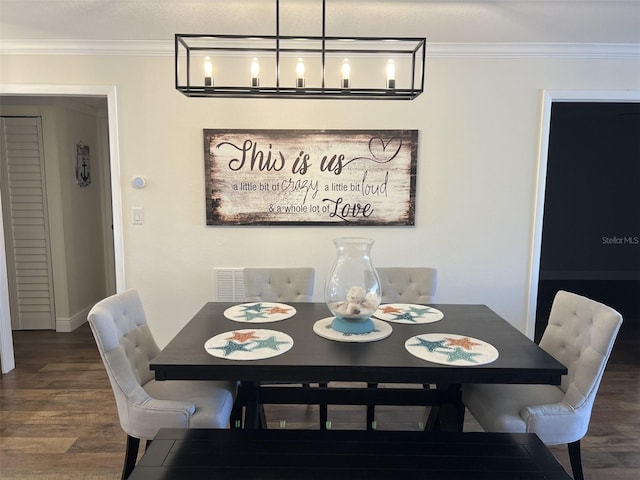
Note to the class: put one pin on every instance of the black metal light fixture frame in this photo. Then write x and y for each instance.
(187, 45)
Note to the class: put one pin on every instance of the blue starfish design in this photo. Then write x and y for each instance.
(430, 346)
(419, 312)
(251, 315)
(255, 307)
(231, 347)
(404, 316)
(254, 310)
(459, 354)
(270, 342)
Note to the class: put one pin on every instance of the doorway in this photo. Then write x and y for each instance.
(7, 362)
(76, 228)
(587, 225)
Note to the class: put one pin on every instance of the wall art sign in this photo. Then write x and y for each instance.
(83, 167)
(320, 177)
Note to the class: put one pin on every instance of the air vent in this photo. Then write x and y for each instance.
(228, 285)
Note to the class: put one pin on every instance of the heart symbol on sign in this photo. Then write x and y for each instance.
(382, 151)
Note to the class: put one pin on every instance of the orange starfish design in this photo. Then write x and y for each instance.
(390, 309)
(465, 343)
(277, 309)
(242, 336)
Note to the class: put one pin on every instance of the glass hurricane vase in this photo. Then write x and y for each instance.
(353, 288)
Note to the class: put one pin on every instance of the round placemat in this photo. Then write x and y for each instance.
(380, 330)
(259, 312)
(248, 344)
(408, 313)
(451, 349)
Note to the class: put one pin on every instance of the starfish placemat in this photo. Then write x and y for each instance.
(259, 312)
(451, 349)
(408, 313)
(380, 330)
(249, 344)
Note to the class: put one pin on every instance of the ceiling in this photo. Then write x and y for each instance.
(441, 21)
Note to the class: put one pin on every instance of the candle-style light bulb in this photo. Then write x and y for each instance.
(391, 75)
(346, 73)
(255, 72)
(300, 74)
(208, 72)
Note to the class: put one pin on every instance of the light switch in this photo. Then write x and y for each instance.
(137, 216)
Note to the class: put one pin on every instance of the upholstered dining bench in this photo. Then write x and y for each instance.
(235, 454)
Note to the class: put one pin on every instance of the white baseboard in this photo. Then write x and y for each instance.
(71, 323)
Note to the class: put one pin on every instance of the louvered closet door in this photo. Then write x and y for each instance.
(26, 224)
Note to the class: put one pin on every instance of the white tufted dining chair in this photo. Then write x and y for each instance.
(404, 285)
(293, 284)
(126, 346)
(408, 284)
(580, 334)
(279, 284)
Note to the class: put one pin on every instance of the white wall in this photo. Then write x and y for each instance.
(82, 217)
(479, 124)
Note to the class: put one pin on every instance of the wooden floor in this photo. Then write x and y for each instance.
(58, 417)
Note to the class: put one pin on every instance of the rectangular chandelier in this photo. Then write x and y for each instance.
(277, 66)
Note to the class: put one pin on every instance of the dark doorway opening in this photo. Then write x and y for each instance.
(591, 226)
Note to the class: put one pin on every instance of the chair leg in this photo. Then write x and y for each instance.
(576, 460)
(235, 419)
(262, 418)
(371, 409)
(130, 457)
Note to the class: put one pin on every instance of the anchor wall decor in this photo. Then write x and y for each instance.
(83, 168)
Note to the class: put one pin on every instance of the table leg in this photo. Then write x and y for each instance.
(250, 392)
(324, 410)
(433, 420)
(449, 415)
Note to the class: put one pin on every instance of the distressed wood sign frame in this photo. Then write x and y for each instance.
(316, 177)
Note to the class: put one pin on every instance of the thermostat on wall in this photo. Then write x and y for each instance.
(138, 182)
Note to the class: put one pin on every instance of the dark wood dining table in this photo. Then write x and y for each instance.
(313, 358)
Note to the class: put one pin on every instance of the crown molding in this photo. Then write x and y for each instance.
(434, 50)
(533, 50)
(87, 47)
